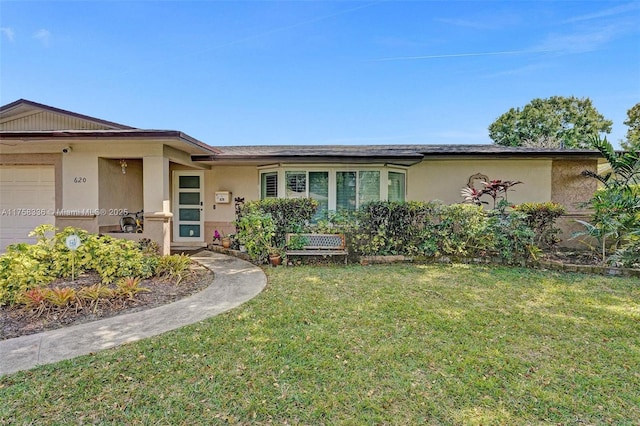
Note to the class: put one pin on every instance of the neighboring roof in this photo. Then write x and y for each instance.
(399, 154)
(24, 105)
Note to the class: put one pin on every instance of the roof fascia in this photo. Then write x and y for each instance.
(78, 135)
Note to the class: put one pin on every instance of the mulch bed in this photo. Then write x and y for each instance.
(15, 322)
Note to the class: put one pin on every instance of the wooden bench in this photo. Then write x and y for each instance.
(319, 245)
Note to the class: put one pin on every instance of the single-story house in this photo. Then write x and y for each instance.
(69, 169)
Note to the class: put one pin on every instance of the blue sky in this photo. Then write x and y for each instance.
(319, 72)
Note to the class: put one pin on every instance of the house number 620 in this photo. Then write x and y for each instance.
(79, 179)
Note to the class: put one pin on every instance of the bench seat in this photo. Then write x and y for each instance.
(320, 245)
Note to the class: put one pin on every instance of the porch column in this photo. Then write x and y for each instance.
(157, 205)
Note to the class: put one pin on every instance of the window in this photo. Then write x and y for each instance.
(269, 185)
(335, 190)
(345, 191)
(296, 184)
(319, 191)
(368, 187)
(396, 186)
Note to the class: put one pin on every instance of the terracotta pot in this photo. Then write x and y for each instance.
(275, 259)
(226, 242)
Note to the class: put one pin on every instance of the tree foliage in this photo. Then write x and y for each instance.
(553, 122)
(633, 132)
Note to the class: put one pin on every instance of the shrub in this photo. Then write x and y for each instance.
(628, 255)
(616, 207)
(541, 218)
(288, 214)
(460, 230)
(128, 287)
(386, 227)
(20, 270)
(26, 266)
(256, 231)
(511, 238)
(174, 266)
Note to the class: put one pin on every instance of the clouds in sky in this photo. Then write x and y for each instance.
(579, 35)
(8, 33)
(44, 36)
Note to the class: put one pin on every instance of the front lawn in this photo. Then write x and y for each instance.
(405, 344)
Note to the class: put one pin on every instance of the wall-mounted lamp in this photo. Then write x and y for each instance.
(123, 166)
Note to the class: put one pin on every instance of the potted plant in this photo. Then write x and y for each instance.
(275, 256)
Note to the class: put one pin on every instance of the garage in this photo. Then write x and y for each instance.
(27, 199)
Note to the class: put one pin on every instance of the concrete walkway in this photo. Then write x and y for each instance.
(236, 281)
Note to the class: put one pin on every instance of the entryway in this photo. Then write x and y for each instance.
(188, 202)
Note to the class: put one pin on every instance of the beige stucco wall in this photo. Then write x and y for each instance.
(569, 187)
(84, 189)
(443, 179)
(119, 191)
(241, 181)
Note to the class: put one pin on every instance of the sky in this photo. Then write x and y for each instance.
(319, 72)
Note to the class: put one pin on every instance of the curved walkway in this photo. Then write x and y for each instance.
(236, 281)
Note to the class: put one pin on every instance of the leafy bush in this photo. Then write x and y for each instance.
(434, 229)
(256, 231)
(26, 266)
(628, 255)
(288, 214)
(460, 230)
(174, 266)
(511, 238)
(128, 287)
(541, 217)
(387, 227)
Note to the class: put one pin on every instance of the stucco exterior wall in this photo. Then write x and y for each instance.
(569, 187)
(443, 179)
(119, 191)
(241, 181)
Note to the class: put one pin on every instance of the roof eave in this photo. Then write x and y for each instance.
(401, 160)
(107, 134)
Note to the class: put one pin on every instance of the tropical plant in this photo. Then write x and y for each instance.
(128, 287)
(616, 206)
(496, 189)
(174, 266)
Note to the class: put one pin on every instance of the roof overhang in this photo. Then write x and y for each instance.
(173, 138)
(405, 155)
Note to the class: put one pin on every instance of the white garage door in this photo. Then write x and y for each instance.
(27, 199)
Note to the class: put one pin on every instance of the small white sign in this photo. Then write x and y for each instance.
(72, 242)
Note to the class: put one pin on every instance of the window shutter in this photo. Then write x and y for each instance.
(269, 185)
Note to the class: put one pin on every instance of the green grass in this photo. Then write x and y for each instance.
(401, 345)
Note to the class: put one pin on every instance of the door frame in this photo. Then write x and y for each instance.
(176, 206)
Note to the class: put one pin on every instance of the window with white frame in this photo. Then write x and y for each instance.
(268, 185)
(397, 188)
(335, 189)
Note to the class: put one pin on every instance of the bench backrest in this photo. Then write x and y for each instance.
(321, 241)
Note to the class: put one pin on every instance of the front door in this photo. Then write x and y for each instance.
(188, 214)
